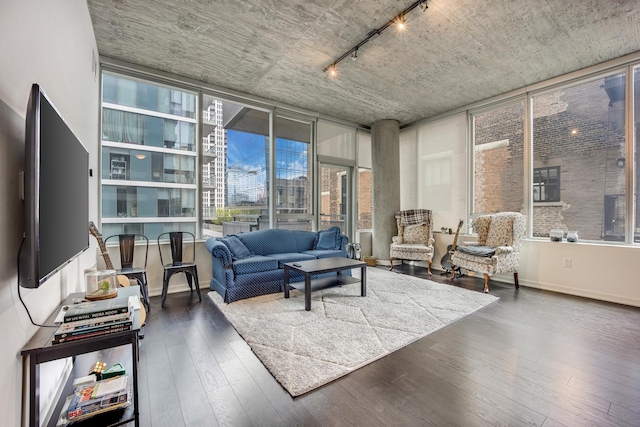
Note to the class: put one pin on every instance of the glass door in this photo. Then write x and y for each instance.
(335, 197)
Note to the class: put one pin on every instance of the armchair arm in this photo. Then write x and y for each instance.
(504, 250)
(219, 250)
(431, 241)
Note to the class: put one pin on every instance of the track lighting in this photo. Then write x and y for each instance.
(398, 20)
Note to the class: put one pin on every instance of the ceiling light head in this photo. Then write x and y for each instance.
(401, 22)
(423, 6)
(331, 69)
(354, 55)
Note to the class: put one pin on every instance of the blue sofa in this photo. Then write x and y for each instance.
(256, 267)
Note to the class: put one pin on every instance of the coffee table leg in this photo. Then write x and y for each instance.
(307, 291)
(286, 281)
(363, 281)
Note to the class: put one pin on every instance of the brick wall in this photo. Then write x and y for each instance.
(576, 128)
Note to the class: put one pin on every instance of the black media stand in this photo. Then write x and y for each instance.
(119, 347)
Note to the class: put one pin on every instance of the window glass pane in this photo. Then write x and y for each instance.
(365, 199)
(437, 157)
(292, 168)
(153, 131)
(498, 159)
(234, 165)
(136, 166)
(578, 137)
(336, 140)
(109, 88)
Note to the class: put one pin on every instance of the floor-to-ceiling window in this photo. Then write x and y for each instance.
(579, 159)
(149, 157)
(498, 142)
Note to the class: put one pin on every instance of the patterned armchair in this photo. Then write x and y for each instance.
(415, 237)
(497, 249)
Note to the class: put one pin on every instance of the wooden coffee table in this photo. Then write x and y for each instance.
(324, 265)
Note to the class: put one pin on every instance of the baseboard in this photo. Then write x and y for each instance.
(175, 288)
(600, 296)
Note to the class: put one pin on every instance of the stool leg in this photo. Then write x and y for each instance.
(165, 286)
(197, 283)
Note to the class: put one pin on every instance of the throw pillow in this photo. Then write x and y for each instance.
(328, 239)
(236, 247)
(500, 231)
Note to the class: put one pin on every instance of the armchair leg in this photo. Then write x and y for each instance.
(486, 283)
(391, 262)
(453, 271)
(515, 279)
(429, 268)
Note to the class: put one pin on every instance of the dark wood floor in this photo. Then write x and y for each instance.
(533, 358)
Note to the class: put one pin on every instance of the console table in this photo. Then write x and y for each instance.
(39, 350)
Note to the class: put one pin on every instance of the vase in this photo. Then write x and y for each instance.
(572, 236)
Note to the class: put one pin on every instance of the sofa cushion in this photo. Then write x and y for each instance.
(236, 247)
(328, 239)
(272, 241)
(254, 264)
(320, 253)
(290, 257)
(304, 239)
(418, 233)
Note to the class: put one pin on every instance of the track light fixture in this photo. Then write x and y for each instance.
(399, 20)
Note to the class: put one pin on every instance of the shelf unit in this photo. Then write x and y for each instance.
(84, 352)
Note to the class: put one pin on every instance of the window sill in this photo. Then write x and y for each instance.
(546, 204)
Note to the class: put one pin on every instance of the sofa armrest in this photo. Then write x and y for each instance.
(219, 250)
(344, 241)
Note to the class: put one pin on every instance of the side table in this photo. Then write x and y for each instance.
(39, 350)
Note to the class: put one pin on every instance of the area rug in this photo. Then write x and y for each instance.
(344, 331)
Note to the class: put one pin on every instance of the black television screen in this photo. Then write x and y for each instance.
(56, 193)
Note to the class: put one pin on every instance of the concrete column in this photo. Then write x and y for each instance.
(385, 156)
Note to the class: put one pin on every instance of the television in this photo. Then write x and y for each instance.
(56, 193)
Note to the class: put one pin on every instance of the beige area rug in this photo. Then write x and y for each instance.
(344, 331)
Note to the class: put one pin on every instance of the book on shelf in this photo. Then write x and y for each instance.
(65, 333)
(95, 398)
(91, 323)
(125, 326)
(96, 309)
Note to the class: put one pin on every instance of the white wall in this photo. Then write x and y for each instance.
(49, 43)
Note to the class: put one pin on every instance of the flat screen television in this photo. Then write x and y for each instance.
(56, 193)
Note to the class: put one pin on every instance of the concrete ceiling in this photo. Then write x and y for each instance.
(457, 53)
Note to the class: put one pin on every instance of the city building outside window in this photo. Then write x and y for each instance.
(149, 156)
(498, 159)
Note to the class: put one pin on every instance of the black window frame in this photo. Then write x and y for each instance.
(551, 189)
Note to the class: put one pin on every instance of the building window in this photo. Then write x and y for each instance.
(546, 184)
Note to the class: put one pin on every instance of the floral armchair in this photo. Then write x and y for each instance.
(415, 237)
(497, 249)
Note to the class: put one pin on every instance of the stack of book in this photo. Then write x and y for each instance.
(93, 318)
(95, 398)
